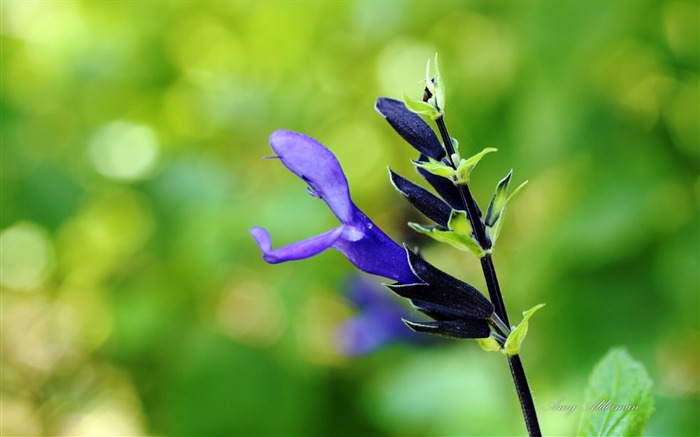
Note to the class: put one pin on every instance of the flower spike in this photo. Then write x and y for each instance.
(459, 310)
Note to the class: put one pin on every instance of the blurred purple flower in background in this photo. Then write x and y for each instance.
(378, 321)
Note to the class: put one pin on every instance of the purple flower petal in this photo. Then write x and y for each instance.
(318, 167)
(372, 251)
(299, 250)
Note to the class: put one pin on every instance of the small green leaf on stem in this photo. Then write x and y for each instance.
(454, 239)
(498, 201)
(494, 224)
(467, 165)
(433, 102)
(438, 87)
(517, 335)
(435, 167)
(420, 107)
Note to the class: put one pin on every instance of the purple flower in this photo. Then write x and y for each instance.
(459, 309)
(360, 240)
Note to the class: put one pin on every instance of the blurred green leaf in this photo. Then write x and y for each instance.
(618, 397)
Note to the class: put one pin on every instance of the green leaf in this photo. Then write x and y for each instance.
(618, 397)
(435, 167)
(461, 242)
(517, 335)
(467, 165)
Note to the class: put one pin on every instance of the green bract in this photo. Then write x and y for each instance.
(517, 335)
(459, 176)
(498, 202)
(515, 338)
(437, 168)
(421, 107)
(496, 211)
(436, 86)
(434, 105)
(458, 235)
(466, 166)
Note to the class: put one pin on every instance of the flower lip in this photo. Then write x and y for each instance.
(295, 251)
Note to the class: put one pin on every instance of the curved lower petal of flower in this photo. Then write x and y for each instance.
(299, 250)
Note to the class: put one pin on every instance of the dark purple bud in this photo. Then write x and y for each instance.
(436, 312)
(411, 127)
(448, 290)
(423, 200)
(460, 300)
(463, 328)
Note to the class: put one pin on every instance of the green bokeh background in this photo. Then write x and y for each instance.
(134, 301)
